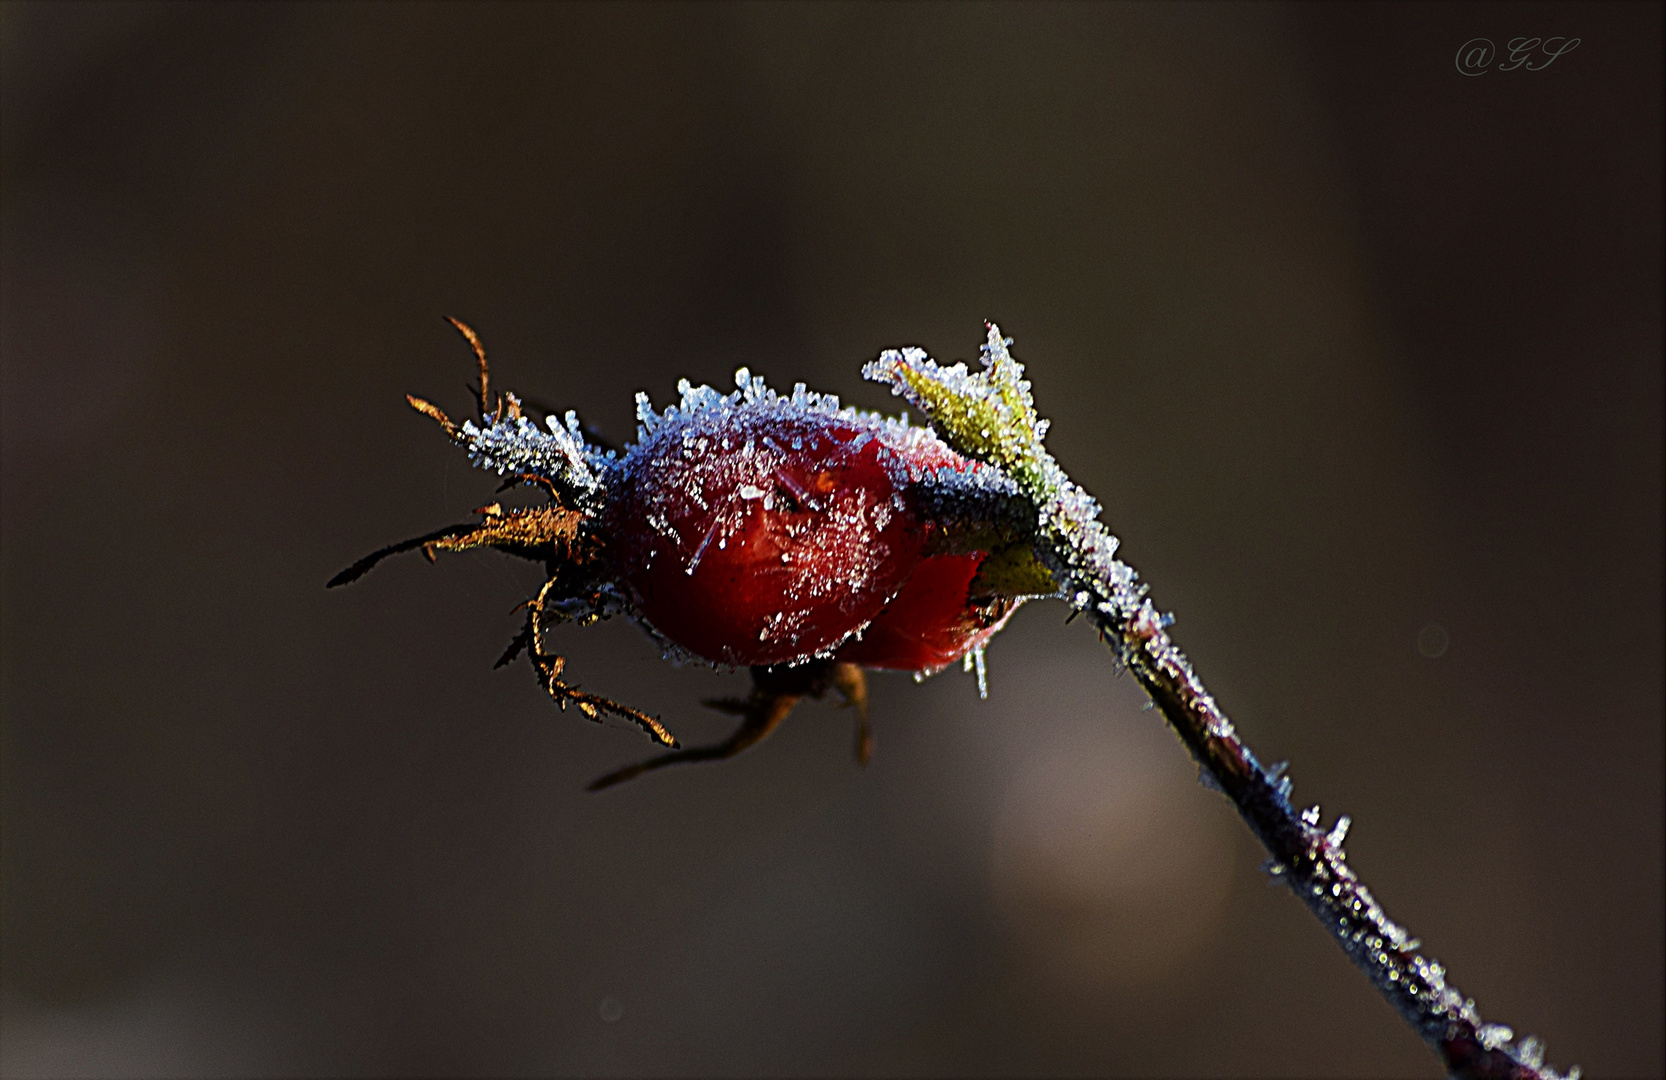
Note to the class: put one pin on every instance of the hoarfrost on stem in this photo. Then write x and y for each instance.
(990, 416)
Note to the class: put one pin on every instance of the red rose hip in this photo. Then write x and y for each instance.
(758, 529)
(777, 532)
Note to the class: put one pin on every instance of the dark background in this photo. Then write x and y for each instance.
(1347, 343)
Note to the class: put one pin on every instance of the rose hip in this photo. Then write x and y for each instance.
(750, 537)
(779, 532)
(758, 529)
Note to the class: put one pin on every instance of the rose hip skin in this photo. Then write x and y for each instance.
(932, 622)
(760, 534)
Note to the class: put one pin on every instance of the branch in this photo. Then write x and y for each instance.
(1311, 861)
(991, 416)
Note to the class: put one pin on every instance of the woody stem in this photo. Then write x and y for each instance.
(1312, 862)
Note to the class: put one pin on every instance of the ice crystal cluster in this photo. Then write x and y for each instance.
(513, 444)
(706, 420)
(750, 419)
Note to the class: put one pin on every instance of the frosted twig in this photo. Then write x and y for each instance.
(990, 416)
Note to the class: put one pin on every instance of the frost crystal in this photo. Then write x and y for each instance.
(974, 662)
(1530, 1052)
(514, 444)
(1493, 1036)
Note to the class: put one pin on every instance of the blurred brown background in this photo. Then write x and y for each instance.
(1363, 357)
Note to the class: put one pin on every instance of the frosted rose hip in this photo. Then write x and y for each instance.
(779, 532)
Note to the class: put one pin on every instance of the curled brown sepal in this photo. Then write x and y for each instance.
(550, 666)
(775, 693)
(507, 441)
(594, 706)
(485, 371)
(434, 413)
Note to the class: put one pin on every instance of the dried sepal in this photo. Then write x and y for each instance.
(480, 357)
(776, 691)
(560, 534)
(550, 667)
(536, 532)
(435, 413)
